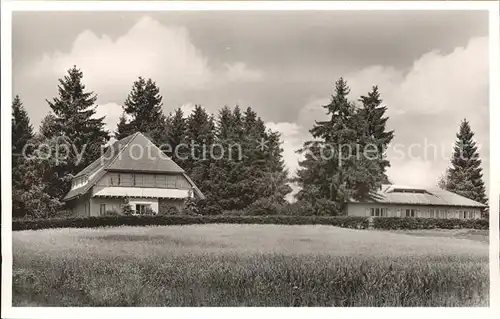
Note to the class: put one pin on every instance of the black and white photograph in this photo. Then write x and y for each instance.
(249, 158)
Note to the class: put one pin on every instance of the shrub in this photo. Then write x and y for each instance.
(234, 212)
(127, 209)
(111, 212)
(168, 209)
(148, 211)
(298, 208)
(325, 207)
(191, 207)
(207, 207)
(428, 223)
(143, 220)
(263, 207)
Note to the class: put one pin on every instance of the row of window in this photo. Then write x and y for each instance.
(147, 180)
(432, 213)
(77, 182)
(140, 209)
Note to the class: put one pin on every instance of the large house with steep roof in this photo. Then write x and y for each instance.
(407, 201)
(132, 170)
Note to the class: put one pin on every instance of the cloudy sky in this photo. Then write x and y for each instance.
(431, 69)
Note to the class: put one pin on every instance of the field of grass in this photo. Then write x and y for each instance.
(246, 265)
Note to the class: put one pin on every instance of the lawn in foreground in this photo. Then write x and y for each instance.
(245, 265)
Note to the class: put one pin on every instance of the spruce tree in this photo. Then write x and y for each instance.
(123, 128)
(22, 130)
(223, 173)
(176, 135)
(22, 133)
(74, 117)
(373, 114)
(333, 169)
(200, 135)
(144, 106)
(465, 176)
(74, 129)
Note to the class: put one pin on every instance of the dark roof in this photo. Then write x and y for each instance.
(124, 155)
(397, 194)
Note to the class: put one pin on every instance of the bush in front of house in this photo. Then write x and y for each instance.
(190, 207)
(168, 209)
(111, 212)
(144, 220)
(127, 209)
(207, 207)
(395, 223)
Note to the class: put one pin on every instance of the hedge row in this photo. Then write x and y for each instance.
(340, 221)
(103, 221)
(428, 223)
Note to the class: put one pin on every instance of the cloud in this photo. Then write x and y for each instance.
(240, 72)
(187, 109)
(148, 49)
(434, 84)
(292, 137)
(111, 113)
(418, 173)
(425, 103)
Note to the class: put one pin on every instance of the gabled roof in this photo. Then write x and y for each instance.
(401, 194)
(134, 153)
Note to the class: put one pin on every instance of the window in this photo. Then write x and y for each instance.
(102, 209)
(171, 181)
(410, 213)
(142, 208)
(432, 213)
(161, 181)
(138, 180)
(445, 213)
(114, 179)
(378, 212)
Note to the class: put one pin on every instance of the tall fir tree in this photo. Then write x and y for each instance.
(200, 136)
(332, 169)
(144, 106)
(373, 114)
(75, 128)
(22, 130)
(74, 112)
(22, 134)
(123, 128)
(465, 176)
(176, 136)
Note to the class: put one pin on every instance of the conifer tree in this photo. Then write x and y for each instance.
(144, 106)
(373, 114)
(332, 169)
(75, 129)
(22, 133)
(200, 135)
(465, 176)
(176, 135)
(123, 128)
(22, 130)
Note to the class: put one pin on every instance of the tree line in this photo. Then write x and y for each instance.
(329, 176)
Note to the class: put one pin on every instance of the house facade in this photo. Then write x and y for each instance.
(412, 202)
(135, 171)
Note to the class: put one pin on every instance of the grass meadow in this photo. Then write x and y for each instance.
(246, 265)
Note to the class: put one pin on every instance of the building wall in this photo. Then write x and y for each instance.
(80, 207)
(115, 204)
(420, 210)
(153, 202)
